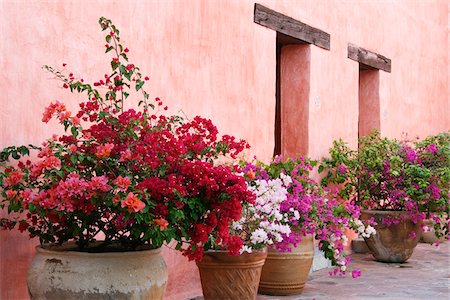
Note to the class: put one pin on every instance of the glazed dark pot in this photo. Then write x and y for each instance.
(392, 243)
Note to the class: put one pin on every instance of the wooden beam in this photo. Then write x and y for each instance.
(291, 27)
(369, 59)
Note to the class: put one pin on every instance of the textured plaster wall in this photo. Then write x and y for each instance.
(209, 58)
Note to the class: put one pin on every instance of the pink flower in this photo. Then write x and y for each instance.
(75, 121)
(412, 235)
(356, 273)
(99, 183)
(11, 193)
(125, 155)
(57, 107)
(122, 183)
(133, 203)
(162, 223)
(104, 151)
(342, 169)
(13, 178)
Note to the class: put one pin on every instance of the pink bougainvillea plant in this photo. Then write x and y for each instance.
(393, 175)
(134, 177)
(291, 205)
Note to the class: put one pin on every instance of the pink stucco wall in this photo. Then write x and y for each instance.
(210, 58)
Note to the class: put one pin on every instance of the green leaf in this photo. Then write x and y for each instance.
(114, 64)
(109, 49)
(139, 84)
(74, 131)
(108, 38)
(15, 155)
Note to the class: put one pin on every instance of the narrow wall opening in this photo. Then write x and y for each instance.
(369, 101)
(293, 99)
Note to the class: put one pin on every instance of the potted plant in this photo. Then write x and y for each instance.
(395, 188)
(233, 271)
(306, 211)
(434, 153)
(104, 197)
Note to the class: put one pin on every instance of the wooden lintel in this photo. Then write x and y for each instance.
(368, 58)
(291, 27)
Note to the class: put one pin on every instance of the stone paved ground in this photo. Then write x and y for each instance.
(426, 275)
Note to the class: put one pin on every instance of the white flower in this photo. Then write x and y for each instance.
(258, 236)
(344, 240)
(245, 249)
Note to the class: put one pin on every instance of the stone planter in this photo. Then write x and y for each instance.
(286, 273)
(231, 277)
(56, 273)
(429, 237)
(393, 243)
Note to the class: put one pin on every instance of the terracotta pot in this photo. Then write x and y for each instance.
(231, 277)
(58, 274)
(393, 243)
(286, 273)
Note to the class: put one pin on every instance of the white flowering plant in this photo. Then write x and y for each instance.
(262, 222)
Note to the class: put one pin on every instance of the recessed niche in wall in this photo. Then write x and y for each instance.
(293, 47)
(370, 64)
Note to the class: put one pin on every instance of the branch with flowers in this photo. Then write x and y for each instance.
(138, 177)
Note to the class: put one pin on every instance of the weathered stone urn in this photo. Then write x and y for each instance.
(56, 273)
(392, 243)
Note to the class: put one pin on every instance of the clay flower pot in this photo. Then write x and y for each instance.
(231, 277)
(286, 273)
(392, 243)
(59, 274)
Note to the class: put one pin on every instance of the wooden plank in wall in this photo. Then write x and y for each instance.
(288, 26)
(368, 58)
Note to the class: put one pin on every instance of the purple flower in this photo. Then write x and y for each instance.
(432, 149)
(342, 169)
(356, 273)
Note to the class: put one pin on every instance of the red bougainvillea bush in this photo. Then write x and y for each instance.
(136, 177)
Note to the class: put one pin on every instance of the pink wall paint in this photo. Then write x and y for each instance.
(209, 58)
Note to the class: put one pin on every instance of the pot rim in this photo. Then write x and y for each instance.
(262, 250)
(384, 212)
(68, 249)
